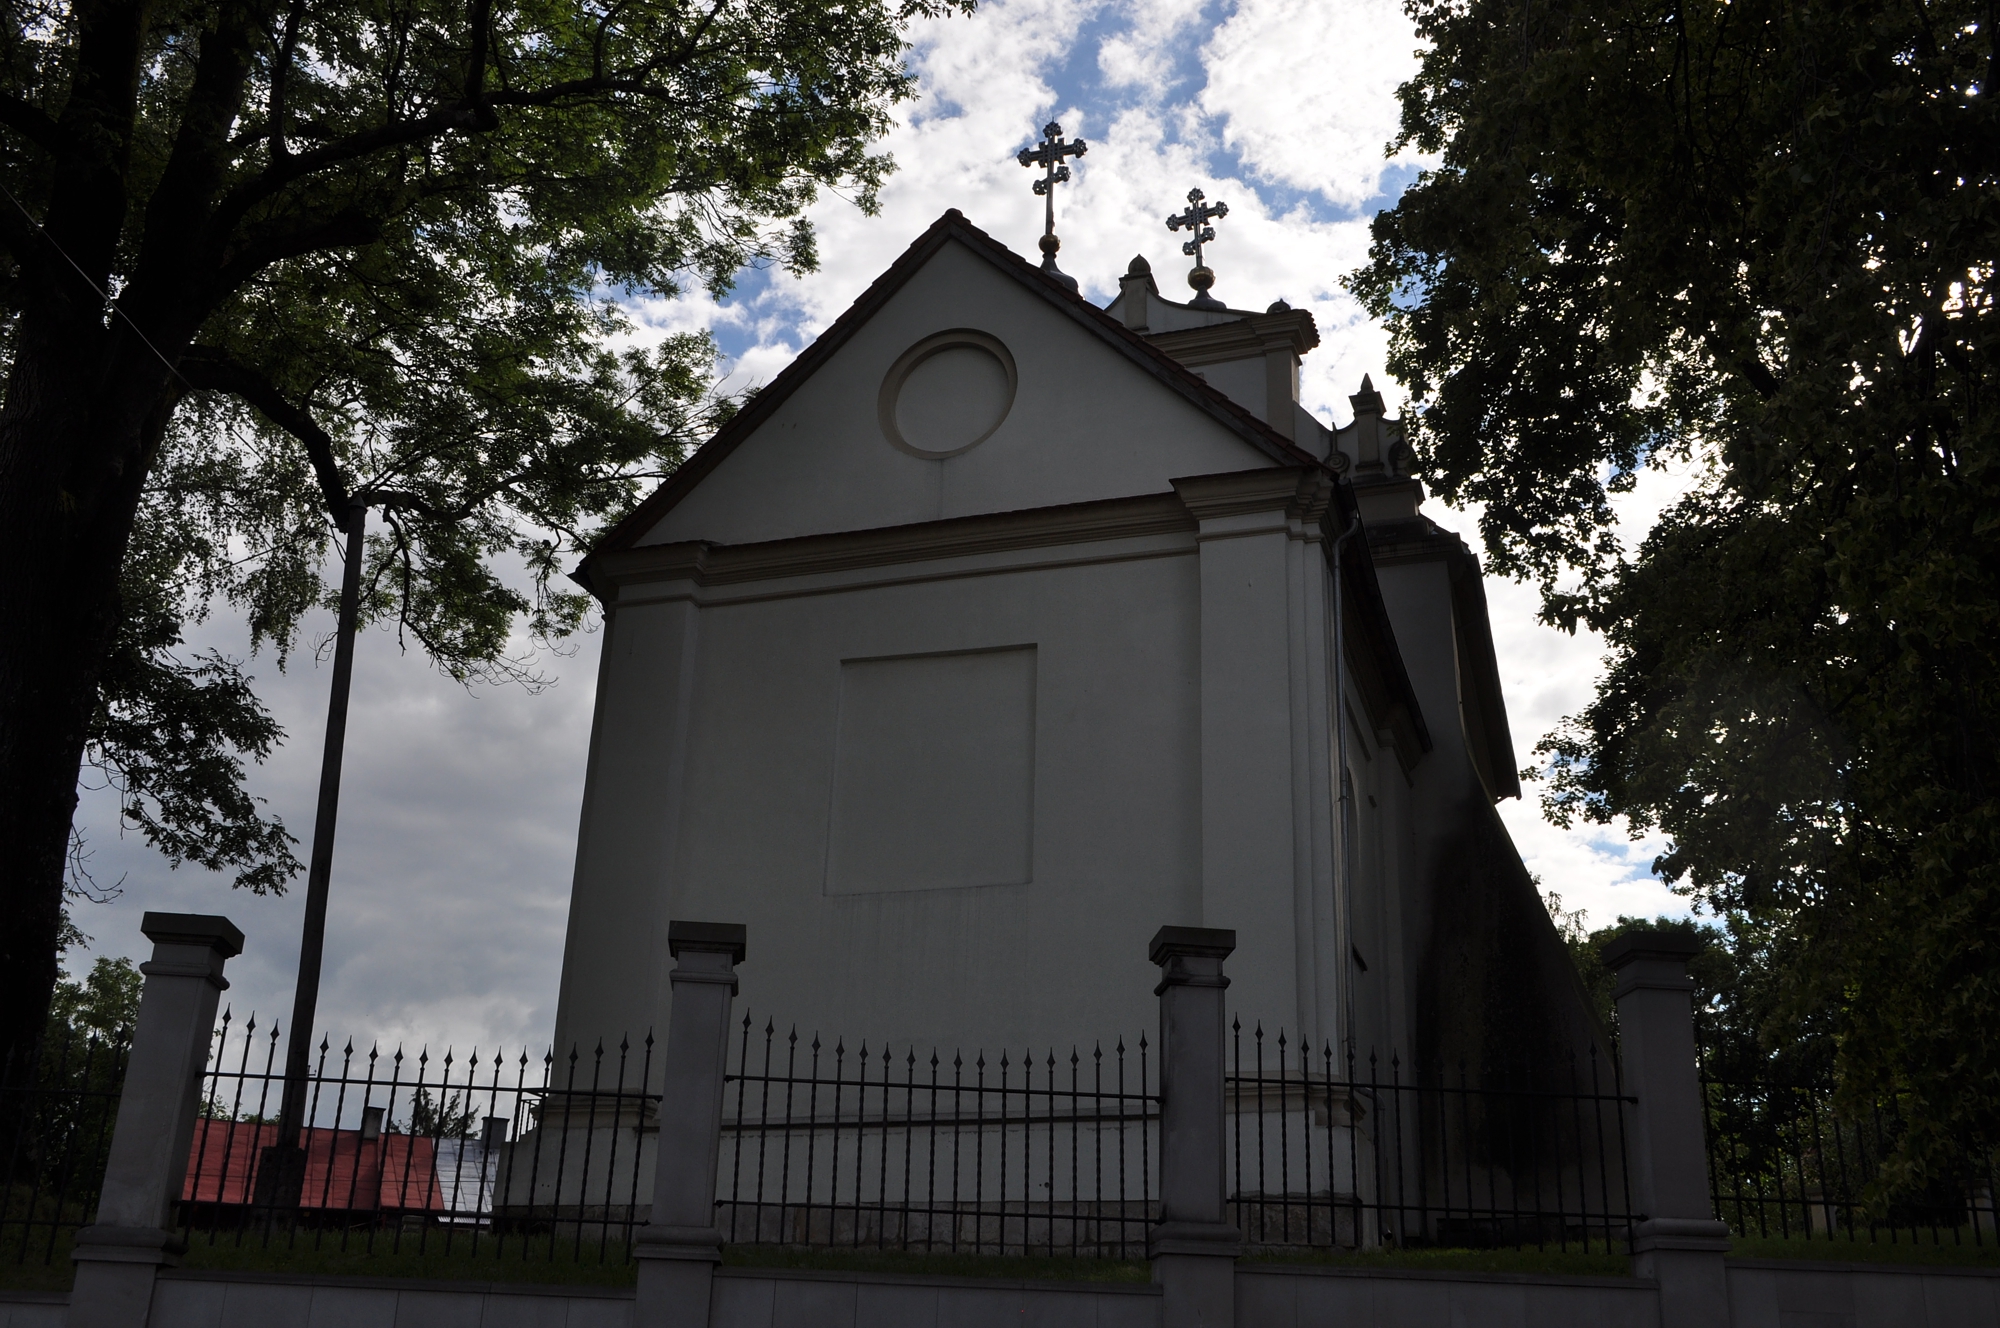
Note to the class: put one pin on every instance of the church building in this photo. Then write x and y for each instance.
(1001, 629)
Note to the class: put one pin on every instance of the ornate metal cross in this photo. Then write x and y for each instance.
(1195, 220)
(1049, 153)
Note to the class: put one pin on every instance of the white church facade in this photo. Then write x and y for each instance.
(1000, 630)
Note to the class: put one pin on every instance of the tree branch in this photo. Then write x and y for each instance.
(475, 64)
(349, 226)
(464, 114)
(30, 122)
(281, 78)
(395, 133)
(212, 369)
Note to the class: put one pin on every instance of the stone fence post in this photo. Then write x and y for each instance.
(1194, 1247)
(118, 1258)
(680, 1246)
(1680, 1243)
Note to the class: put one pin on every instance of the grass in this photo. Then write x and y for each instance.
(1572, 1262)
(606, 1266)
(506, 1261)
(315, 1253)
(27, 1264)
(1031, 1268)
(1944, 1250)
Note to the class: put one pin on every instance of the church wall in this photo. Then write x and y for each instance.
(1418, 598)
(1249, 803)
(1086, 423)
(1116, 811)
(1374, 871)
(615, 952)
(1488, 981)
(1242, 381)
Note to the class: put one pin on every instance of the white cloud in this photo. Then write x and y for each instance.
(1307, 90)
(1144, 58)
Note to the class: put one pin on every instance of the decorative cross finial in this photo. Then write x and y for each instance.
(1049, 153)
(1195, 220)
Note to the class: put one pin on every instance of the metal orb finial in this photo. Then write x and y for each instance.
(1195, 222)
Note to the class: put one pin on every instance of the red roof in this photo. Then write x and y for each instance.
(343, 1171)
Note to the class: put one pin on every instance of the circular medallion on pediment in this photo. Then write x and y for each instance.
(947, 394)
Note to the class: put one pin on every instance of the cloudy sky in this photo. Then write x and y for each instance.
(459, 808)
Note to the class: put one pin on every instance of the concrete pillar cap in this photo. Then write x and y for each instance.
(217, 933)
(729, 938)
(1191, 943)
(1672, 943)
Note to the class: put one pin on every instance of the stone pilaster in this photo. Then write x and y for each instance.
(118, 1258)
(1194, 1247)
(680, 1246)
(1680, 1243)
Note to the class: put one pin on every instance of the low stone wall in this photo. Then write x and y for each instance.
(1307, 1296)
(33, 1309)
(189, 1299)
(1763, 1294)
(1786, 1293)
(760, 1298)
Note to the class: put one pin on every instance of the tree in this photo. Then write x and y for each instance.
(1760, 238)
(260, 256)
(450, 1116)
(104, 1004)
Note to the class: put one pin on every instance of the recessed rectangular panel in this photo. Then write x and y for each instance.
(934, 773)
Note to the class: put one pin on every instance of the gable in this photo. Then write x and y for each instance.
(1094, 413)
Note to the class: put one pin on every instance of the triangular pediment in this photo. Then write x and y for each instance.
(963, 382)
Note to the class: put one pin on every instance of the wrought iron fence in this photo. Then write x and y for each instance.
(1784, 1163)
(57, 1108)
(532, 1157)
(1328, 1152)
(1037, 1152)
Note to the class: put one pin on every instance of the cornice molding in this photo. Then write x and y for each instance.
(725, 564)
(1288, 329)
(1301, 493)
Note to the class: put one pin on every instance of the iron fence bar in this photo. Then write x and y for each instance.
(1583, 1181)
(354, 1181)
(611, 1154)
(1149, 1083)
(882, 1186)
(1051, 1082)
(785, 1155)
(909, 1134)
(1123, 1211)
(860, 1139)
(736, 1160)
(1075, 1194)
(812, 1137)
(979, 1157)
(1097, 1149)
(1004, 1066)
(930, 1152)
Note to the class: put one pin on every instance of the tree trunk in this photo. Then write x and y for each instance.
(86, 406)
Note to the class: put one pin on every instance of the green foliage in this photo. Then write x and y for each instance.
(170, 736)
(448, 1116)
(379, 246)
(103, 1005)
(1743, 1033)
(1760, 239)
